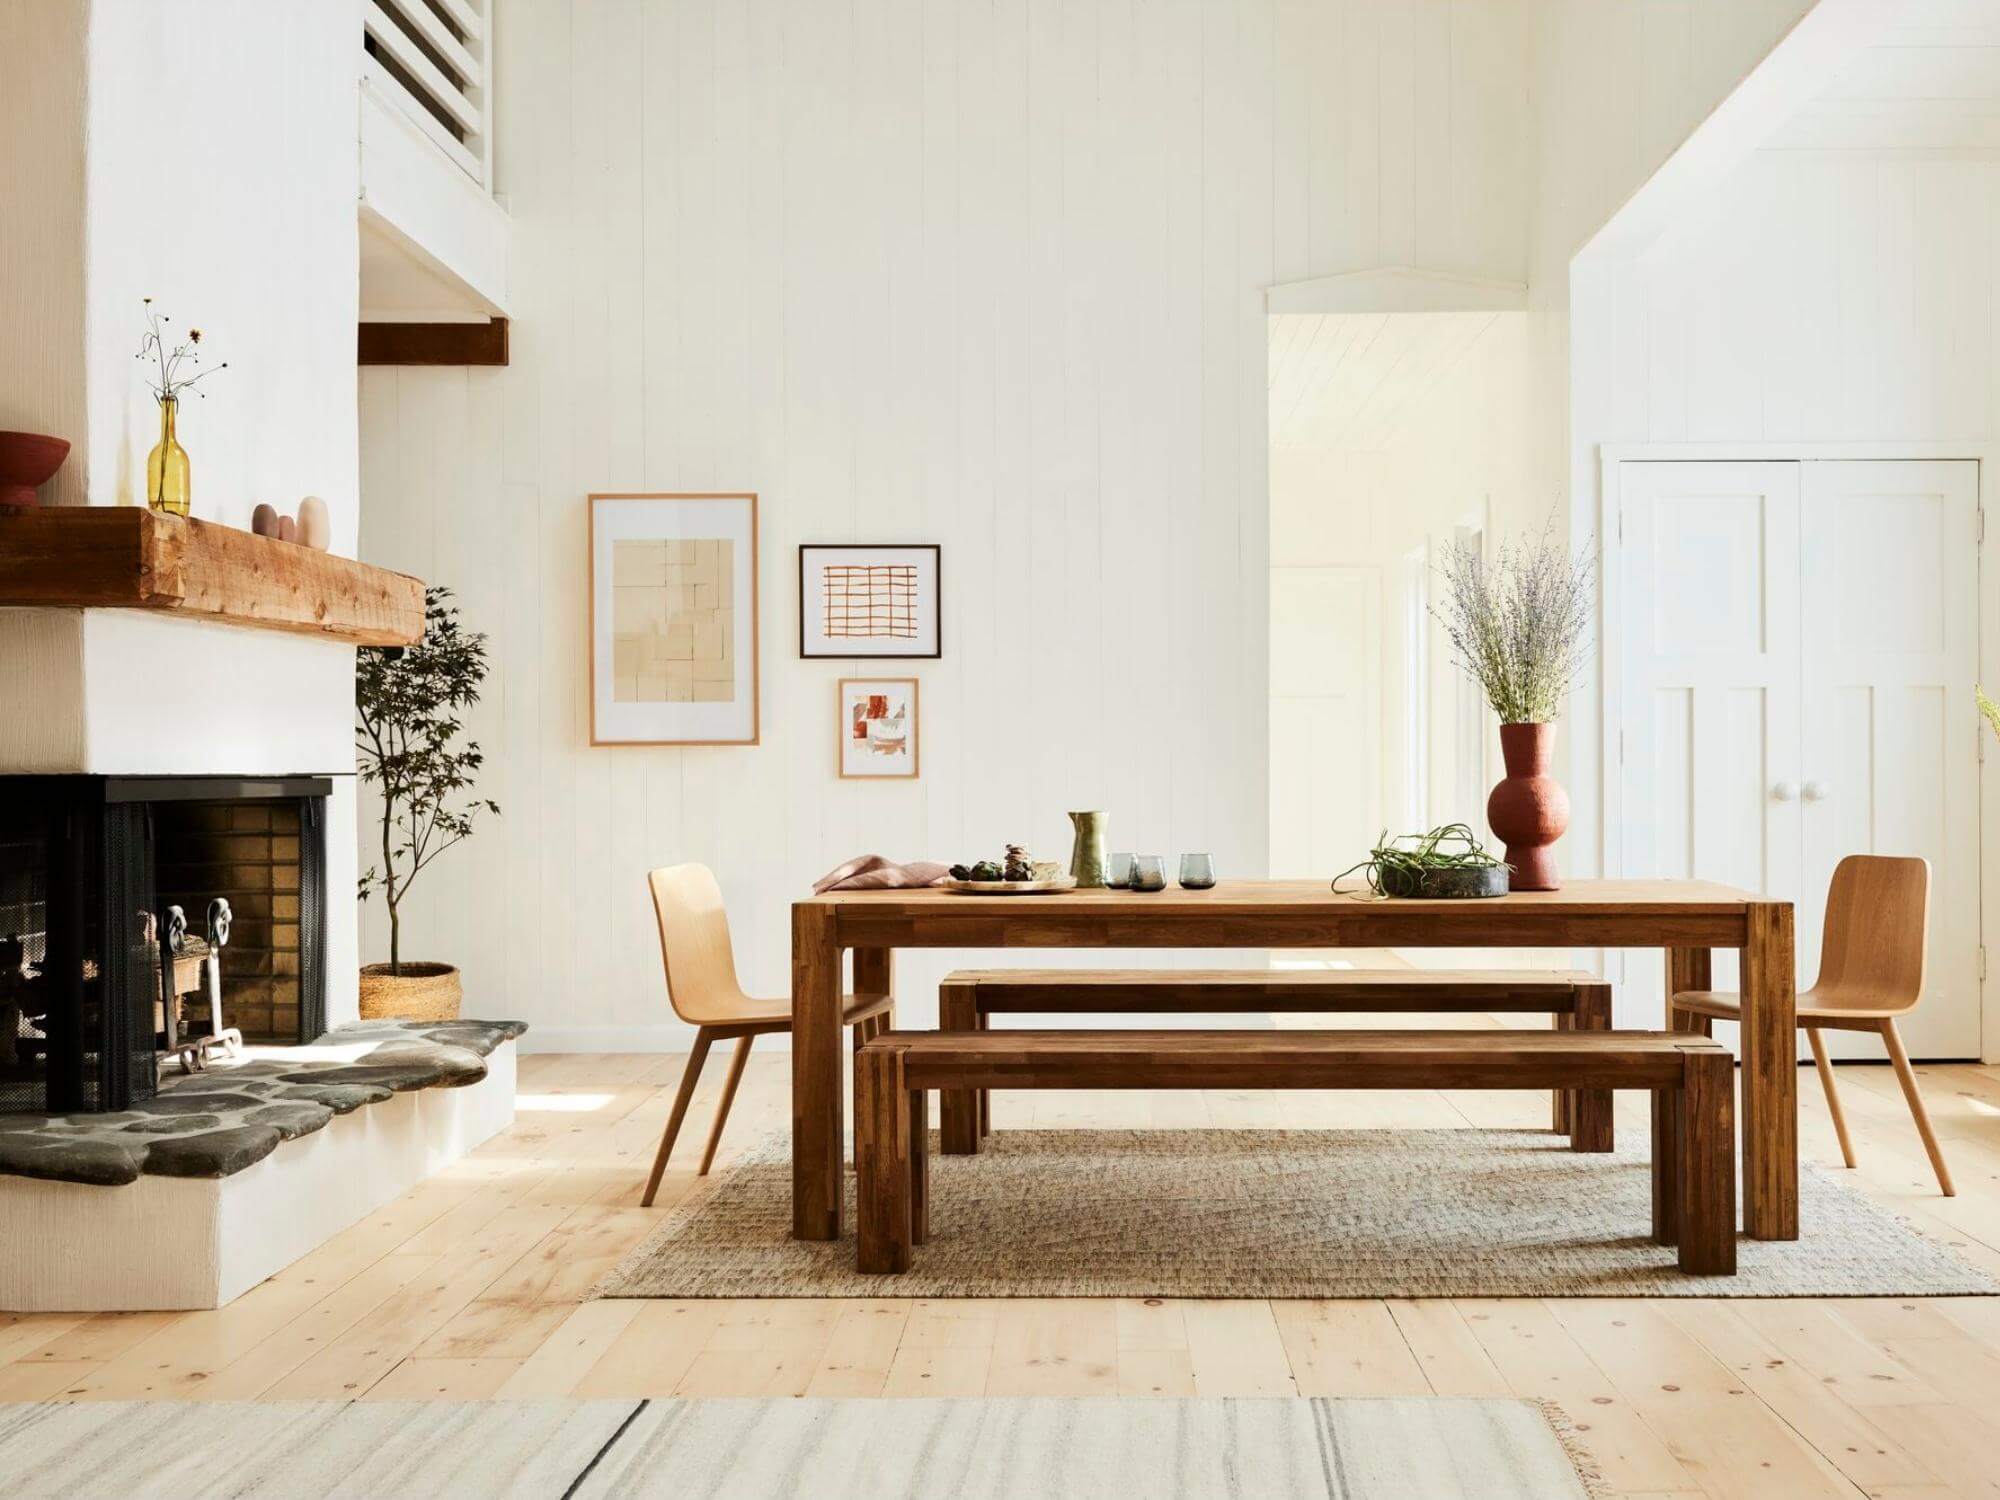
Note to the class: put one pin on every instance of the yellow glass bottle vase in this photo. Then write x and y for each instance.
(167, 486)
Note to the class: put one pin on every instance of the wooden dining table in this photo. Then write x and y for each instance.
(1687, 920)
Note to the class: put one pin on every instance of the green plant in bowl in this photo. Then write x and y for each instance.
(1448, 861)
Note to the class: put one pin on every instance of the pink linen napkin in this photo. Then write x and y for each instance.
(871, 872)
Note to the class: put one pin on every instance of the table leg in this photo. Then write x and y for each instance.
(875, 974)
(817, 1090)
(1589, 1110)
(1688, 969)
(1770, 1117)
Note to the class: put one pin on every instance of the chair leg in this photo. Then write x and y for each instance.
(882, 1164)
(958, 1109)
(1832, 1094)
(1707, 1165)
(728, 1098)
(1590, 1127)
(690, 1076)
(1893, 1039)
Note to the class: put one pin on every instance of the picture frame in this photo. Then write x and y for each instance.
(673, 618)
(871, 600)
(877, 730)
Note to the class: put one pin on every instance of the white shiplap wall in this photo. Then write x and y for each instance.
(988, 275)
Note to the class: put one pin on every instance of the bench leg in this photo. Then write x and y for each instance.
(1561, 1101)
(985, 1095)
(920, 1167)
(1666, 1166)
(882, 1163)
(958, 1109)
(1590, 1109)
(1707, 1163)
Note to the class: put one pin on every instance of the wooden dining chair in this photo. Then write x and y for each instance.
(702, 988)
(1871, 970)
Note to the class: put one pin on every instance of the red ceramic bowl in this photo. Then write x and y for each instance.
(27, 461)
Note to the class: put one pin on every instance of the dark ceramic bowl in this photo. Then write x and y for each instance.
(28, 460)
(1441, 885)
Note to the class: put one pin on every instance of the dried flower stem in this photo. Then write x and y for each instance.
(168, 383)
(1518, 628)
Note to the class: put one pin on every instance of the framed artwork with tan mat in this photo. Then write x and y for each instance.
(878, 728)
(673, 619)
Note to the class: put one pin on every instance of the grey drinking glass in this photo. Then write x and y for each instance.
(1197, 872)
(1118, 871)
(1149, 873)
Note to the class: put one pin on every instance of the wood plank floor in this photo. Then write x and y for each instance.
(471, 1286)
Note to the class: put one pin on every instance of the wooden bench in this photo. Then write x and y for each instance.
(1577, 1001)
(1690, 1077)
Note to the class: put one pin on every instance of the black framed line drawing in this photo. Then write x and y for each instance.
(866, 599)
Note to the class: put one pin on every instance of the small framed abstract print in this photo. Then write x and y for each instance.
(673, 619)
(860, 601)
(878, 727)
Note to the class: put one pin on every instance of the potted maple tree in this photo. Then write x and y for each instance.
(408, 745)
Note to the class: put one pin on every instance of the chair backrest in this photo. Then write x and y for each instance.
(694, 944)
(1877, 928)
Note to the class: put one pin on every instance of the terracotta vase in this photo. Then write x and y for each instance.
(1529, 810)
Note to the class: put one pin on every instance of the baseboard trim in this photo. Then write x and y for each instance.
(663, 1036)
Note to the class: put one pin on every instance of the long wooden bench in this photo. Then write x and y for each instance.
(1689, 1076)
(1577, 1001)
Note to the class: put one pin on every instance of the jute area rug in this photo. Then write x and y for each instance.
(1437, 1448)
(1277, 1213)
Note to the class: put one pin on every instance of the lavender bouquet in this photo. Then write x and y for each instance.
(1518, 628)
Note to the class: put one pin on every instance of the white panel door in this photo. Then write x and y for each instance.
(1326, 731)
(1890, 763)
(1710, 741)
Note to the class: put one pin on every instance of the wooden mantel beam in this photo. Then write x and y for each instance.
(128, 557)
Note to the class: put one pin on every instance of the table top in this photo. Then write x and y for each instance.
(1251, 897)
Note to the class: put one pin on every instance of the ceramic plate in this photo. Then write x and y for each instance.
(1010, 887)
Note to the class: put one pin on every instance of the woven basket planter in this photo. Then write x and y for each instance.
(422, 992)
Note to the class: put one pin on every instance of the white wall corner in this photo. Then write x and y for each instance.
(1794, 72)
(435, 245)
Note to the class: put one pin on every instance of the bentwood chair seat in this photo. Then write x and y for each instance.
(703, 989)
(1725, 1005)
(1871, 972)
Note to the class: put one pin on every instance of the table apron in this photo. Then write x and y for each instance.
(1514, 928)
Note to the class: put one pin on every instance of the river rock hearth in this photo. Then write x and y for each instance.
(218, 1122)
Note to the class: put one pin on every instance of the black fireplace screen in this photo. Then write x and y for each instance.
(89, 867)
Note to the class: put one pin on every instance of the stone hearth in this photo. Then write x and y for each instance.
(219, 1122)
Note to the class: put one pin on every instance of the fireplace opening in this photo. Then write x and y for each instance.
(109, 888)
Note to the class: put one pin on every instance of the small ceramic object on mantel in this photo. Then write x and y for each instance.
(315, 525)
(288, 529)
(264, 521)
(28, 460)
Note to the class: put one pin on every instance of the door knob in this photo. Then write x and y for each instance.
(1815, 791)
(1784, 791)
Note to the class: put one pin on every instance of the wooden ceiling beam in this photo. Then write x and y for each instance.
(434, 343)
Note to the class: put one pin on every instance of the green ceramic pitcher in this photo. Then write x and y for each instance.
(1086, 859)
